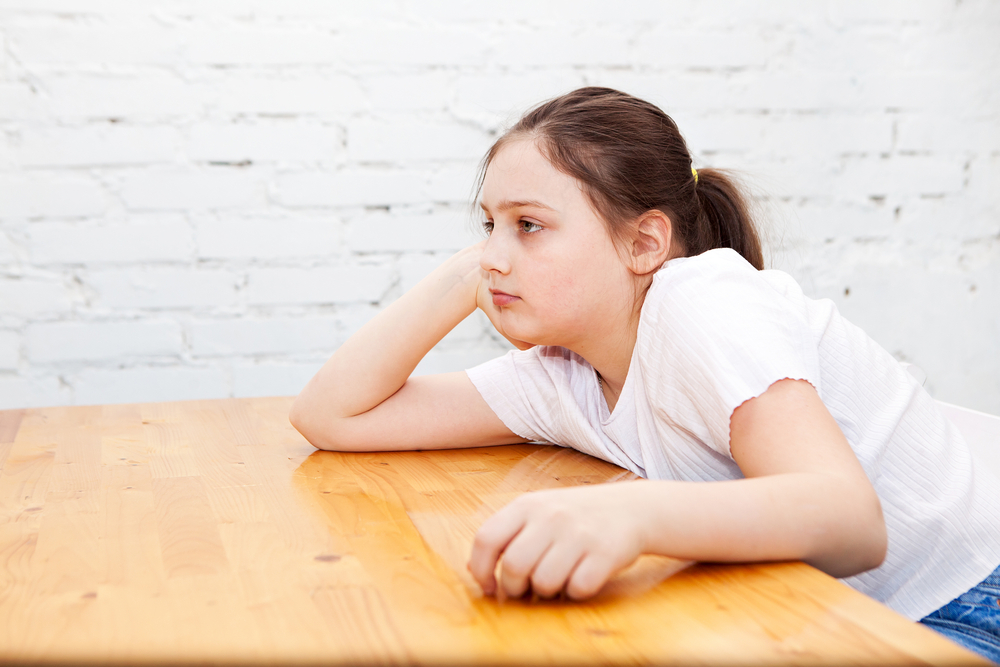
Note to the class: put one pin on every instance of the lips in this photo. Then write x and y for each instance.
(501, 299)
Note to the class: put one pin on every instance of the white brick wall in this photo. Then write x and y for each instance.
(205, 198)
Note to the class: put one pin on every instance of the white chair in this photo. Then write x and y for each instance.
(980, 430)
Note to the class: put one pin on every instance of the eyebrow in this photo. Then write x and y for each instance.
(507, 204)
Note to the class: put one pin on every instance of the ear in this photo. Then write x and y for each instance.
(652, 243)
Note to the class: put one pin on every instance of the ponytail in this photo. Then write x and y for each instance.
(723, 219)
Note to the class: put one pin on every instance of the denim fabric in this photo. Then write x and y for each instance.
(973, 618)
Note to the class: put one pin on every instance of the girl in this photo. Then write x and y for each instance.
(650, 336)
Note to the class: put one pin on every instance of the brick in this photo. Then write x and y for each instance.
(6, 152)
(824, 219)
(940, 133)
(740, 15)
(901, 175)
(984, 174)
(31, 296)
(272, 378)
(565, 48)
(256, 237)
(921, 90)
(142, 239)
(554, 11)
(262, 46)
(18, 101)
(246, 336)
(149, 384)
(112, 144)
(398, 233)
(318, 10)
(42, 194)
(17, 391)
(946, 217)
(146, 288)
(301, 95)
(852, 12)
(803, 176)
(398, 140)
(153, 95)
(502, 98)
(72, 7)
(413, 46)
(367, 186)
(8, 250)
(722, 133)
(210, 188)
(342, 284)
(453, 183)
(10, 350)
(796, 91)
(669, 45)
(132, 44)
(416, 91)
(797, 134)
(94, 341)
(264, 142)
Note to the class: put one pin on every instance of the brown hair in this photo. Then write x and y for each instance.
(630, 158)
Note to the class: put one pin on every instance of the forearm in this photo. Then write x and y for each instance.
(828, 521)
(377, 360)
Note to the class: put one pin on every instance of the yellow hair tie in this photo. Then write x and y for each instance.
(695, 173)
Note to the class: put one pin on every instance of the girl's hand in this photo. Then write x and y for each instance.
(560, 539)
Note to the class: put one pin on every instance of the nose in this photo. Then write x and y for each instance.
(495, 255)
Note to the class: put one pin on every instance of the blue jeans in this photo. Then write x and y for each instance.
(973, 618)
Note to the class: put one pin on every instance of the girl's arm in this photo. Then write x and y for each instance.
(363, 398)
(806, 497)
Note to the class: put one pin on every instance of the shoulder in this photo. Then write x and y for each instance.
(714, 287)
(718, 306)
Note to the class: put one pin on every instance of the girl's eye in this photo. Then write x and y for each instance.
(488, 227)
(529, 226)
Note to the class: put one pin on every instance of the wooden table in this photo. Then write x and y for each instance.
(210, 531)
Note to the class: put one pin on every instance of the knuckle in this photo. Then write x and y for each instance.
(586, 582)
(547, 585)
(482, 541)
(516, 568)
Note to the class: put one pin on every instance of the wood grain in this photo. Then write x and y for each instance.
(210, 531)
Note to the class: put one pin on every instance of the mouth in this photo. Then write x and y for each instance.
(501, 299)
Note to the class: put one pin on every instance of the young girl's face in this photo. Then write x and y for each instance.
(555, 273)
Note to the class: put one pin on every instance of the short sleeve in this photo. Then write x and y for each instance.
(715, 334)
(537, 393)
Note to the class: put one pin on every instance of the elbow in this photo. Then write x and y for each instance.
(872, 540)
(859, 545)
(878, 540)
(303, 419)
(320, 429)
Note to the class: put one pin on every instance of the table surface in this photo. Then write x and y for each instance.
(210, 531)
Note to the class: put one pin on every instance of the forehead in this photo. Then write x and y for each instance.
(520, 172)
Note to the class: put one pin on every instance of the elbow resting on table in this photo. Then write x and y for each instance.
(321, 433)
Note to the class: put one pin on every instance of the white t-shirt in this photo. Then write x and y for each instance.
(715, 332)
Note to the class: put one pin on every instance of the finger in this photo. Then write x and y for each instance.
(521, 556)
(554, 569)
(589, 576)
(490, 541)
